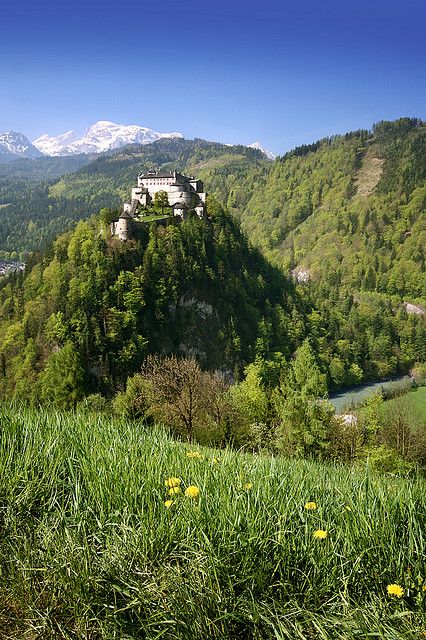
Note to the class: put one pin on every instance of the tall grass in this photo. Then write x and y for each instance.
(88, 548)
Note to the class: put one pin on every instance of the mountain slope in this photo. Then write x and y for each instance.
(100, 137)
(191, 288)
(351, 209)
(42, 168)
(15, 145)
(84, 514)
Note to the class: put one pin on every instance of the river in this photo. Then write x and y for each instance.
(355, 395)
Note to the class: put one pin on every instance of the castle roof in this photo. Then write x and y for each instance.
(125, 214)
(157, 175)
(179, 205)
(179, 177)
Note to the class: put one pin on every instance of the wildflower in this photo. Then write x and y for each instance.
(248, 486)
(311, 505)
(424, 588)
(347, 507)
(168, 503)
(192, 492)
(395, 590)
(172, 482)
(194, 454)
(173, 491)
(320, 534)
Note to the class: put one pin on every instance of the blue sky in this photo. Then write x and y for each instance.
(284, 73)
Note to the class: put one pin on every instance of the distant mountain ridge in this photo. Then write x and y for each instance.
(101, 136)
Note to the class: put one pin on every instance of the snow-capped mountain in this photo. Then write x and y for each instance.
(101, 136)
(53, 145)
(15, 145)
(257, 145)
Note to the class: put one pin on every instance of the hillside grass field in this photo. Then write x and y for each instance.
(418, 398)
(259, 547)
(415, 398)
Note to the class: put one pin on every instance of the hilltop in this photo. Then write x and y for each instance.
(95, 306)
(43, 206)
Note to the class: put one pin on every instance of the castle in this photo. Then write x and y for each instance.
(183, 194)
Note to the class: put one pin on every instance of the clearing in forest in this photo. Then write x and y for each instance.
(368, 175)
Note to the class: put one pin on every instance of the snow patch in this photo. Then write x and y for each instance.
(266, 152)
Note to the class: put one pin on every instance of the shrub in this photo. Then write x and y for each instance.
(418, 373)
(190, 401)
(387, 460)
(346, 438)
(404, 430)
(135, 401)
(397, 389)
(95, 403)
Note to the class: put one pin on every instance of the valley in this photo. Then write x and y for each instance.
(163, 389)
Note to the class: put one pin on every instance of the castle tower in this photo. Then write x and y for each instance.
(123, 227)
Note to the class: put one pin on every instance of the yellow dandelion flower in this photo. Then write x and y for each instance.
(248, 486)
(172, 482)
(168, 503)
(347, 507)
(424, 587)
(173, 491)
(395, 590)
(192, 492)
(320, 534)
(311, 505)
(195, 455)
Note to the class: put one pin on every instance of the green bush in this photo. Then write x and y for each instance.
(136, 400)
(419, 373)
(385, 459)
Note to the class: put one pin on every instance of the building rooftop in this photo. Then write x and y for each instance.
(156, 175)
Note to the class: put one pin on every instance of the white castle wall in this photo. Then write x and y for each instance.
(122, 229)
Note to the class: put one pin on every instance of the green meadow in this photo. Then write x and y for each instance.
(417, 398)
(90, 550)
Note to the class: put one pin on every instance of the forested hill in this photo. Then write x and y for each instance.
(42, 206)
(347, 215)
(82, 319)
(349, 210)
